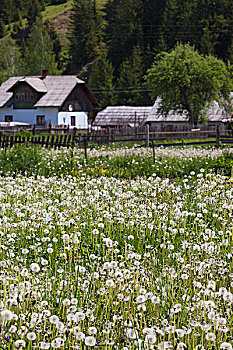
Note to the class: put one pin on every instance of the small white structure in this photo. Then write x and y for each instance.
(77, 120)
(44, 100)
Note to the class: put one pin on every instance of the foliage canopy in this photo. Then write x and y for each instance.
(188, 82)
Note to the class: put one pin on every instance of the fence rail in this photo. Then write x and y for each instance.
(44, 141)
(71, 140)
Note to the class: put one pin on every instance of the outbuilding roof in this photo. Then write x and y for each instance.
(122, 115)
(55, 89)
(138, 116)
(214, 114)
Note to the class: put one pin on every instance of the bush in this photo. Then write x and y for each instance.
(25, 133)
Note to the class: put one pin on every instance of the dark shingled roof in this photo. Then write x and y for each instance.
(55, 88)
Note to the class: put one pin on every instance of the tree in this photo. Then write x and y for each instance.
(39, 54)
(206, 24)
(123, 29)
(188, 82)
(85, 33)
(130, 79)
(33, 11)
(153, 11)
(2, 29)
(101, 81)
(9, 59)
(56, 42)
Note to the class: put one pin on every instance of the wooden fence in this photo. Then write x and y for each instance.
(36, 130)
(44, 141)
(58, 141)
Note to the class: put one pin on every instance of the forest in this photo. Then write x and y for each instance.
(111, 44)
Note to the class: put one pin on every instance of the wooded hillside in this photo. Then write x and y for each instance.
(111, 43)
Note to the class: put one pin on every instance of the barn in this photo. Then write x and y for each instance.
(117, 116)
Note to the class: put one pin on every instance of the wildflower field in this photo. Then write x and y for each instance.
(116, 251)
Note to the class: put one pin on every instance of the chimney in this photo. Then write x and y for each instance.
(44, 73)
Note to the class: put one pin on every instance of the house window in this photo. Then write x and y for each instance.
(73, 123)
(40, 120)
(25, 96)
(8, 118)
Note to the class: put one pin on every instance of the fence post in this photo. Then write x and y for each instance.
(85, 146)
(147, 134)
(217, 136)
(34, 130)
(153, 148)
(11, 141)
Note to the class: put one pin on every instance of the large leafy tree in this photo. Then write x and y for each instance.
(188, 82)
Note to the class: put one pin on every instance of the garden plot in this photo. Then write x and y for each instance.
(116, 264)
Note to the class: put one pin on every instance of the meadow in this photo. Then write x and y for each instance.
(116, 250)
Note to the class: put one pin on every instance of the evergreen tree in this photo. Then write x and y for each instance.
(123, 28)
(85, 33)
(208, 41)
(153, 11)
(101, 81)
(205, 23)
(2, 29)
(9, 59)
(56, 42)
(39, 54)
(34, 10)
(180, 22)
(130, 81)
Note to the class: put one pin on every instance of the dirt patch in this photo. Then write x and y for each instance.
(61, 22)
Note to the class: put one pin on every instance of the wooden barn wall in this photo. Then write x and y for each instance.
(80, 101)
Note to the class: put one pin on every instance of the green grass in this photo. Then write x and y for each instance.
(126, 163)
(53, 11)
(114, 261)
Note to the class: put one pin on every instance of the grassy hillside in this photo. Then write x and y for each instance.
(54, 11)
(59, 16)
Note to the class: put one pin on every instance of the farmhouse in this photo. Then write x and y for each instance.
(46, 99)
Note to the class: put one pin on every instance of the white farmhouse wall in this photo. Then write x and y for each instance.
(29, 115)
(19, 115)
(81, 119)
(51, 114)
